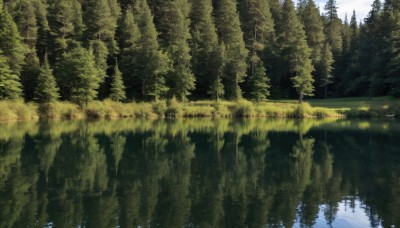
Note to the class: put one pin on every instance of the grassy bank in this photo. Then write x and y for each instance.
(352, 108)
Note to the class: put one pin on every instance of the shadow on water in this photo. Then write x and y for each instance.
(200, 173)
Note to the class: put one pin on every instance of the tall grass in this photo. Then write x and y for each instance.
(18, 110)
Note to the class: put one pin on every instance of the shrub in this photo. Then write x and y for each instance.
(160, 108)
(244, 109)
(174, 108)
(302, 111)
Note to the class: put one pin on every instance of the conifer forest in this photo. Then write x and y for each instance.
(125, 50)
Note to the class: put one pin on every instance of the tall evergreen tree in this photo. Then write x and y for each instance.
(326, 65)
(236, 53)
(66, 25)
(370, 45)
(101, 18)
(153, 64)
(130, 50)
(11, 42)
(10, 87)
(394, 65)
(77, 75)
(296, 52)
(258, 28)
(207, 54)
(24, 13)
(313, 27)
(174, 22)
(259, 84)
(46, 89)
(333, 26)
(216, 88)
(276, 11)
(117, 92)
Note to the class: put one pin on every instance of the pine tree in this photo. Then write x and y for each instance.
(10, 87)
(276, 11)
(78, 76)
(326, 68)
(370, 45)
(333, 27)
(46, 89)
(25, 16)
(313, 27)
(175, 23)
(207, 58)
(394, 65)
(66, 24)
(296, 52)
(216, 88)
(11, 42)
(130, 50)
(259, 84)
(117, 86)
(153, 64)
(236, 53)
(258, 29)
(346, 39)
(101, 53)
(101, 18)
(353, 29)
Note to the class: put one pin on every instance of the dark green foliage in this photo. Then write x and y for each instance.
(394, 65)
(295, 52)
(100, 17)
(11, 43)
(208, 54)
(313, 27)
(199, 49)
(117, 92)
(78, 76)
(46, 89)
(66, 23)
(333, 27)
(259, 83)
(10, 87)
(326, 67)
(259, 32)
(130, 50)
(149, 63)
(175, 24)
(100, 52)
(231, 35)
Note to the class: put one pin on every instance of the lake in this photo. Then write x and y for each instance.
(200, 173)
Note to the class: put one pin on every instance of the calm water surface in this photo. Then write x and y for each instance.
(200, 173)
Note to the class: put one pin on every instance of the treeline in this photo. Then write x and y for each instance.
(81, 50)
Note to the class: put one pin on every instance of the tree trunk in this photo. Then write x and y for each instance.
(326, 91)
(301, 99)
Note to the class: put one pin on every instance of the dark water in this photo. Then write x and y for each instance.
(200, 173)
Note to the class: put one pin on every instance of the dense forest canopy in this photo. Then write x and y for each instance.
(81, 50)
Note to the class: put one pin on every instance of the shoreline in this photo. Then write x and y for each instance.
(20, 111)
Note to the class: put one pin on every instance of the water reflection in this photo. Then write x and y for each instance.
(200, 173)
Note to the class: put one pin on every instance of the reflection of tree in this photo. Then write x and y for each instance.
(142, 166)
(199, 173)
(174, 198)
(206, 181)
(14, 182)
(313, 195)
(79, 167)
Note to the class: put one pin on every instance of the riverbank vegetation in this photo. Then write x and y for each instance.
(338, 108)
(86, 51)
